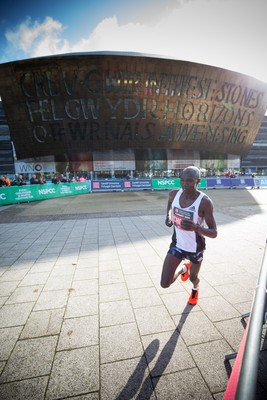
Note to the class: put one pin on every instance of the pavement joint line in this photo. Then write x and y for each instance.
(118, 331)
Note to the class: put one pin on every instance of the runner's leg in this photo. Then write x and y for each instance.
(169, 270)
(194, 270)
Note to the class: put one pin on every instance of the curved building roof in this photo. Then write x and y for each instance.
(82, 102)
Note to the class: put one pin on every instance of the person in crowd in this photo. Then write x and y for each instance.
(7, 180)
(55, 179)
(14, 182)
(21, 180)
(63, 178)
(3, 182)
(34, 180)
(253, 175)
(190, 212)
(41, 180)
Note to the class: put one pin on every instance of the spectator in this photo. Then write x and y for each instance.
(63, 179)
(3, 182)
(34, 180)
(14, 182)
(55, 179)
(253, 175)
(21, 181)
(7, 180)
(41, 180)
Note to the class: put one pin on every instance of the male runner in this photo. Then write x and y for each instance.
(188, 209)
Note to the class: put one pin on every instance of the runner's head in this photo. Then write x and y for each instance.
(191, 172)
(190, 178)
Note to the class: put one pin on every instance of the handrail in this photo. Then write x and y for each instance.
(246, 388)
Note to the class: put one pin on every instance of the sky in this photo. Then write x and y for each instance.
(230, 34)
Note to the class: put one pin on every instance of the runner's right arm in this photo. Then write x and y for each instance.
(168, 220)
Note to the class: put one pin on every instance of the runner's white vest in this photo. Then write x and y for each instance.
(186, 240)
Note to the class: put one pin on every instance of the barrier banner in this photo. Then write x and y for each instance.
(219, 183)
(242, 182)
(202, 184)
(260, 182)
(22, 194)
(230, 182)
(16, 194)
(166, 183)
(112, 184)
(137, 184)
(121, 184)
(174, 183)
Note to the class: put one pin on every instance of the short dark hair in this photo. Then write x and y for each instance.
(193, 172)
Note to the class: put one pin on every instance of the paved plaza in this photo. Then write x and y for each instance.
(82, 314)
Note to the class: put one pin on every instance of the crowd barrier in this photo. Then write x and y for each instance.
(174, 183)
(230, 182)
(139, 184)
(27, 193)
(120, 184)
(260, 182)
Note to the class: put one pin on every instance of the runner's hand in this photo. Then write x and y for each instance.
(188, 225)
(168, 221)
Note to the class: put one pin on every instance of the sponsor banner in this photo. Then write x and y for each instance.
(242, 182)
(20, 194)
(112, 184)
(260, 182)
(35, 167)
(230, 182)
(202, 184)
(219, 182)
(121, 184)
(103, 165)
(112, 166)
(137, 184)
(174, 183)
(114, 160)
(16, 194)
(166, 183)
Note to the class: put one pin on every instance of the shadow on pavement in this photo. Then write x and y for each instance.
(135, 380)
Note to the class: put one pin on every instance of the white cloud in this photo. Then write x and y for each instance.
(109, 35)
(38, 39)
(226, 33)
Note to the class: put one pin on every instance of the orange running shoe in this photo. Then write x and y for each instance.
(194, 297)
(185, 275)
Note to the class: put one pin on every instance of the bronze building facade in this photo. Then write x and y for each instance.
(108, 113)
(256, 159)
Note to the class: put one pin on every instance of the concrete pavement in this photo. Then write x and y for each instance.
(82, 314)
